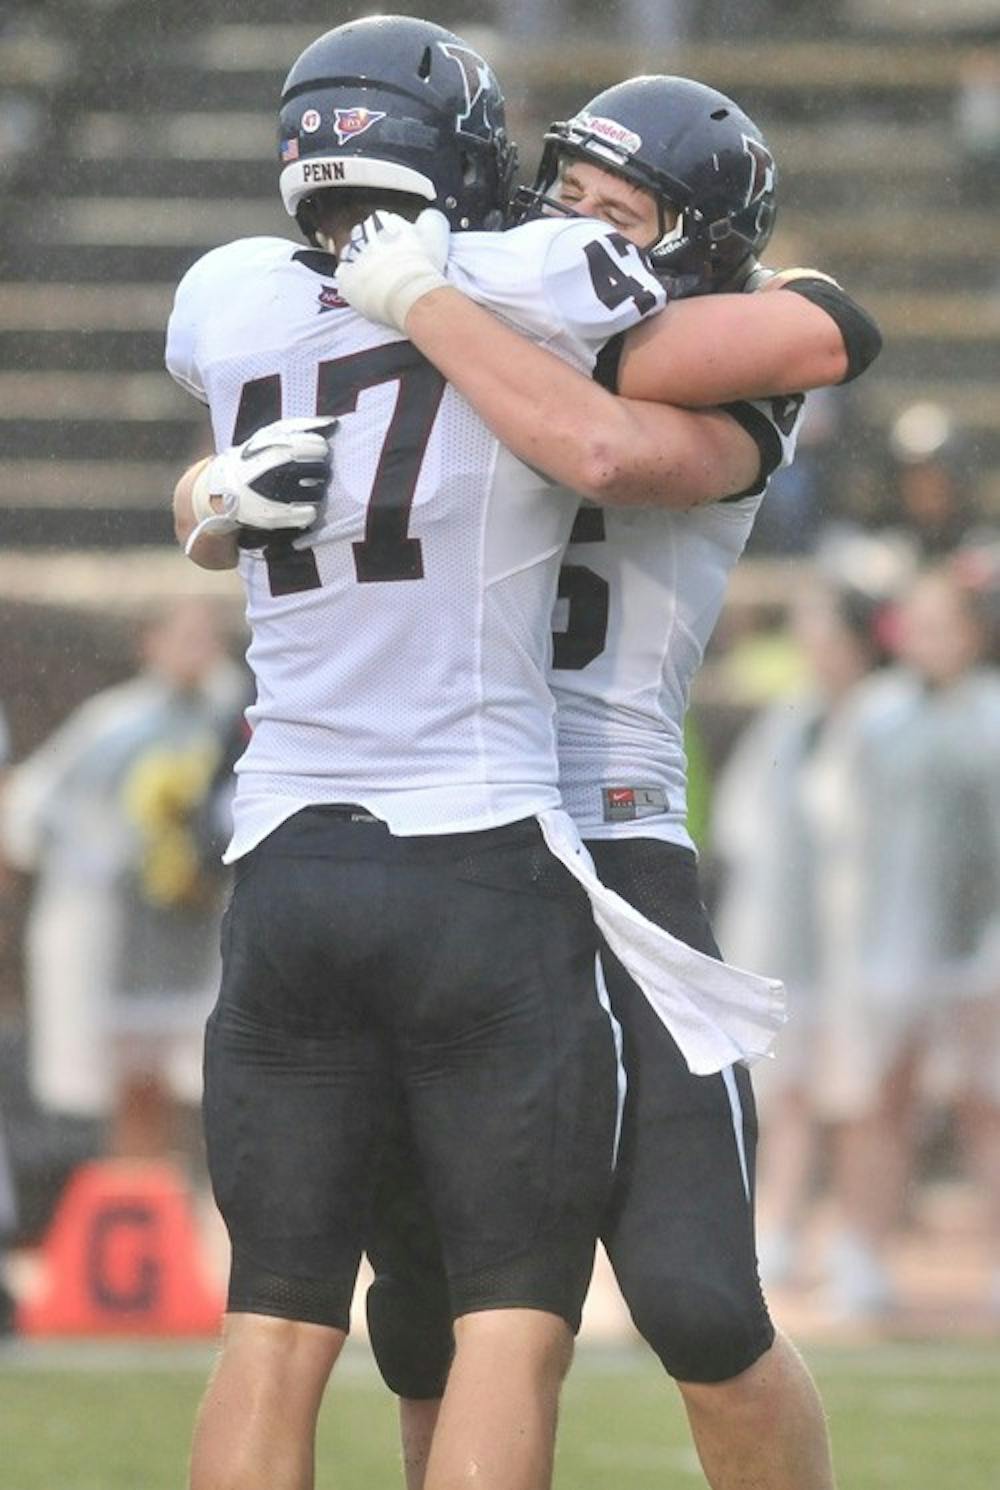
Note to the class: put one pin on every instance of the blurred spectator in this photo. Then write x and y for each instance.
(922, 508)
(930, 500)
(121, 945)
(976, 566)
(759, 660)
(910, 803)
(771, 856)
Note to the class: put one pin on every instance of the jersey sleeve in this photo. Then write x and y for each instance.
(214, 283)
(571, 284)
(597, 284)
(190, 302)
(862, 337)
(774, 424)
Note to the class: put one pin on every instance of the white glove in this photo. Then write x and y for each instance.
(390, 263)
(276, 479)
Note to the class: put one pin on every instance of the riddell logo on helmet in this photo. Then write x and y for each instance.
(608, 130)
(350, 122)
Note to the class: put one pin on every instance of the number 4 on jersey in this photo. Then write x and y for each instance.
(612, 284)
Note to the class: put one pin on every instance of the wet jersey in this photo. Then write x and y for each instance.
(639, 595)
(400, 647)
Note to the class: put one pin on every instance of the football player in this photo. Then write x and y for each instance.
(681, 171)
(407, 921)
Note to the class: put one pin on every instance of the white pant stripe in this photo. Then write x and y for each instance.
(736, 1108)
(616, 1033)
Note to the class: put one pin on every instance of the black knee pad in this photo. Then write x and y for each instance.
(411, 1337)
(700, 1333)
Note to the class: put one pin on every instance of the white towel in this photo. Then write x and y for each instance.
(717, 1014)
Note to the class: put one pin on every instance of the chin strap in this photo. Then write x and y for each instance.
(305, 216)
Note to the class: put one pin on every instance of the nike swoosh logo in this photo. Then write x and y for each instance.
(250, 450)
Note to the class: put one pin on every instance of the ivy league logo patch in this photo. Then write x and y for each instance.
(347, 123)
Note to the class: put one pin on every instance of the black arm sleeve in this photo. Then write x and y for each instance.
(762, 431)
(608, 360)
(862, 338)
(757, 425)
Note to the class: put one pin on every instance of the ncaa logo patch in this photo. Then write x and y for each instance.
(350, 122)
(311, 121)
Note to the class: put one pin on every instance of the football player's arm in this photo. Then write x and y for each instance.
(273, 483)
(548, 414)
(716, 349)
(613, 450)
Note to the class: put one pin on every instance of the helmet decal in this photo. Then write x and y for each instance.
(609, 130)
(476, 78)
(349, 123)
(311, 121)
(762, 169)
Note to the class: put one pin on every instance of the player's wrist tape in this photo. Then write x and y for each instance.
(389, 264)
(207, 519)
(208, 484)
(387, 294)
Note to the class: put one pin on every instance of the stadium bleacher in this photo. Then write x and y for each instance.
(158, 143)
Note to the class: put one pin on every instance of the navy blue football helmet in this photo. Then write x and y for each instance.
(397, 104)
(696, 151)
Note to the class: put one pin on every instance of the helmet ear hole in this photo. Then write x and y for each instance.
(424, 70)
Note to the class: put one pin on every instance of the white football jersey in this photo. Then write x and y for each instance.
(639, 595)
(400, 647)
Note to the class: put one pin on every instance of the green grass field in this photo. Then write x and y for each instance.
(94, 1417)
